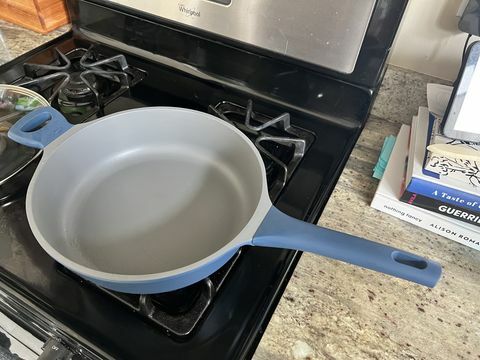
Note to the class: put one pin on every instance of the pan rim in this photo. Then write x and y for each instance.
(244, 236)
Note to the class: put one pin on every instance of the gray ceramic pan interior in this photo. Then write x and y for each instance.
(166, 200)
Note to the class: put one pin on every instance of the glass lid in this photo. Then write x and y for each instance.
(15, 102)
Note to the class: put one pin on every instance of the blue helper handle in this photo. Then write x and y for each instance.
(39, 127)
(282, 231)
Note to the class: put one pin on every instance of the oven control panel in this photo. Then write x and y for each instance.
(328, 33)
(18, 342)
(26, 332)
(56, 350)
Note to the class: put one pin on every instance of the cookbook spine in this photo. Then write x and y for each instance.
(450, 229)
(444, 194)
(441, 208)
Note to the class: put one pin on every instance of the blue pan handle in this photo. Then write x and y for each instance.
(39, 127)
(282, 231)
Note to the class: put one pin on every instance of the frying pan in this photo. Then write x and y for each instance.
(155, 199)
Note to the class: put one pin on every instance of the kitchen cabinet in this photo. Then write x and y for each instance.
(39, 15)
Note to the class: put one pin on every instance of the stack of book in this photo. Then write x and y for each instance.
(446, 202)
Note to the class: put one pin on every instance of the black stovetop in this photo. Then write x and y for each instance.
(232, 327)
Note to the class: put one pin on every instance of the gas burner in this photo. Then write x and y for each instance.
(281, 145)
(81, 82)
(76, 92)
(177, 312)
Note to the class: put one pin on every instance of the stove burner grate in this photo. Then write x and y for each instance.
(281, 145)
(177, 312)
(81, 81)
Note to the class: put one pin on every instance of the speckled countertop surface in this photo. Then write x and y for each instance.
(14, 40)
(331, 310)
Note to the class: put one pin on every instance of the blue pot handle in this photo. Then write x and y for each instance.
(39, 127)
(282, 231)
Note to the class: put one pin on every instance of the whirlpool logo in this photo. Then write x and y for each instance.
(187, 11)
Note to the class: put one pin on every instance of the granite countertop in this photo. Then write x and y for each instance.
(15, 41)
(332, 310)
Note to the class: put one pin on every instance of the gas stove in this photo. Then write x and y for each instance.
(303, 115)
(81, 81)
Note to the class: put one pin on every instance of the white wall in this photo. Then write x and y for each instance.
(429, 41)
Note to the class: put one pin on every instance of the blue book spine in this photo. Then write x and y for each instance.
(445, 194)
